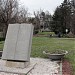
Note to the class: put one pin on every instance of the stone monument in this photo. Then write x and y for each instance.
(17, 47)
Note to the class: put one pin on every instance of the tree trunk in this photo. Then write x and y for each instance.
(5, 30)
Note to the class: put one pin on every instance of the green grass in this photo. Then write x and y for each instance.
(1, 45)
(43, 43)
(39, 44)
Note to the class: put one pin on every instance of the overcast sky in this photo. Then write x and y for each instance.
(46, 5)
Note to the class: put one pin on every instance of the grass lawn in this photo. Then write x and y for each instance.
(1, 45)
(44, 43)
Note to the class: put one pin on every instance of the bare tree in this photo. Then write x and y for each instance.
(37, 20)
(42, 20)
(22, 15)
(8, 9)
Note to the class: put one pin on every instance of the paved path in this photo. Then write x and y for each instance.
(43, 67)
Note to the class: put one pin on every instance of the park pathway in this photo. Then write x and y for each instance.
(46, 67)
(42, 67)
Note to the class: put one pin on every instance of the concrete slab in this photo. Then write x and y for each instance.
(10, 42)
(23, 47)
(42, 67)
(45, 67)
(18, 42)
(24, 71)
(16, 64)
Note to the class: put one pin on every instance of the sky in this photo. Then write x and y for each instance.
(45, 5)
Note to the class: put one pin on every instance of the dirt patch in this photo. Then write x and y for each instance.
(66, 67)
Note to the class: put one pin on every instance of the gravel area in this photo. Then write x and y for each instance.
(45, 67)
(42, 67)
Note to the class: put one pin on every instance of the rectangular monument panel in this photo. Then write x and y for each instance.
(24, 42)
(10, 42)
(18, 42)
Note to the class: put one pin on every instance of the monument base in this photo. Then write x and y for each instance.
(16, 64)
(11, 70)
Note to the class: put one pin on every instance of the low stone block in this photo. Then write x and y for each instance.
(17, 64)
